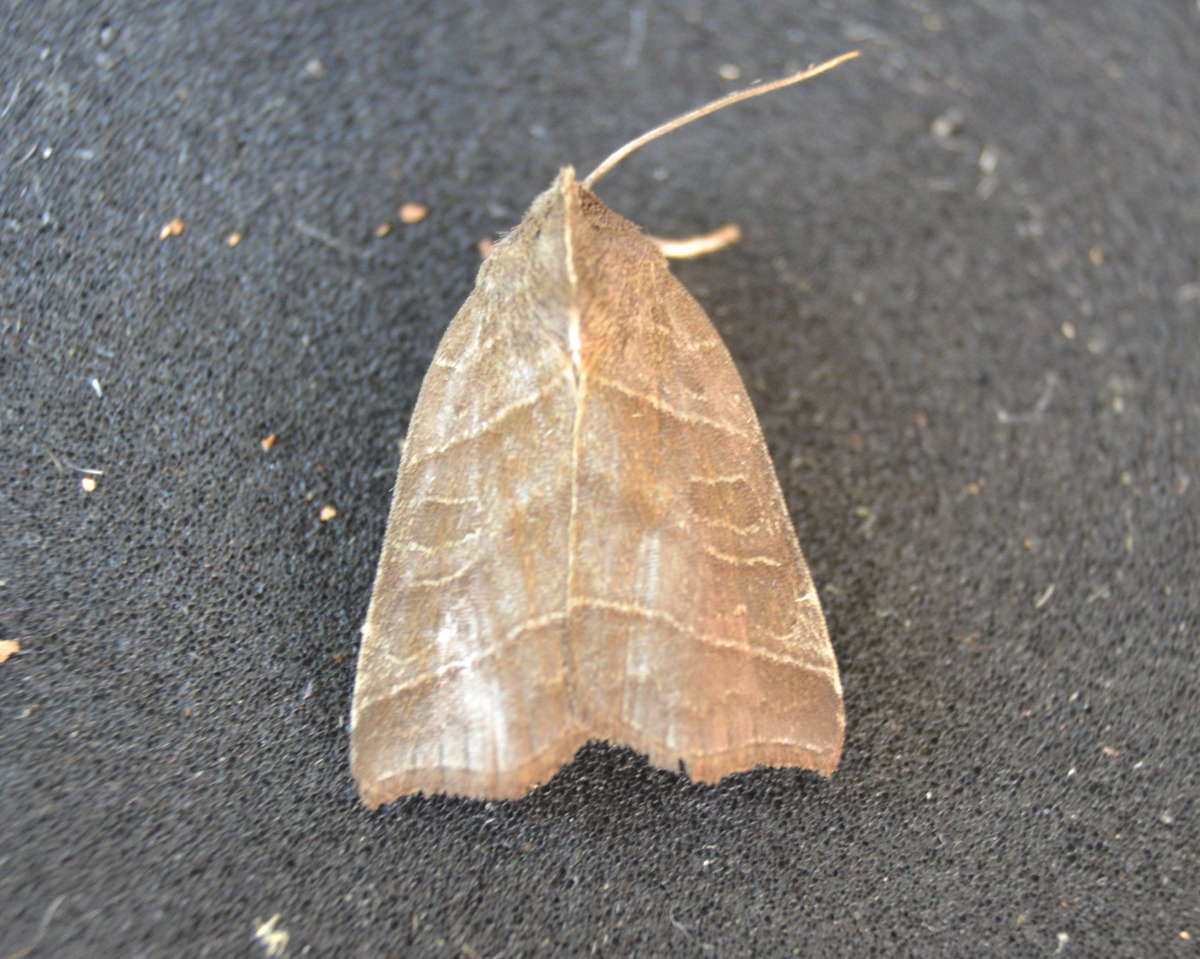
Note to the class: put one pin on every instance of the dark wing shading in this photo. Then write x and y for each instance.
(695, 630)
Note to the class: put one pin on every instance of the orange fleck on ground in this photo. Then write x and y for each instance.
(413, 212)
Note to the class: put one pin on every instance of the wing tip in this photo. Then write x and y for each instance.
(713, 769)
(520, 781)
(482, 783)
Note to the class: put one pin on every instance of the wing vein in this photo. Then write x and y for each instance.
(671, 411)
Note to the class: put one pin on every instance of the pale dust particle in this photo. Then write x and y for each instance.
(413, 213)
(988, 159)
(274, 941)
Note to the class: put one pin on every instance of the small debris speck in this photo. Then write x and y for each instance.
(328, 513)
(413, 213)
(274, 941)
(988, 158)
(383, 230)
(1044, 598)
(314, 68)
(88, 484)
(946, 125)
(233, 239)
(1096, 255)
(1068, 330)
(267, 442)
(729, 71)
(8, 648)
(171, 228)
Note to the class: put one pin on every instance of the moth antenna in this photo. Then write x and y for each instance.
(713, 107)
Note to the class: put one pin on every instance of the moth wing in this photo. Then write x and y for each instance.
(697, 634)
(460, 685)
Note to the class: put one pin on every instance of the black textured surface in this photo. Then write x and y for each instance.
(967, 308)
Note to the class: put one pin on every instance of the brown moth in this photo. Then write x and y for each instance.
(587, 539)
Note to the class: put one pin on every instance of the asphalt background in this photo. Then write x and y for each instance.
(967, 308)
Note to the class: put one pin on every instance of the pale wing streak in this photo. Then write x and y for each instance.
(671, 411)
(467, 662)
(718, 480)
(450, 500)
(734, 528)
(439, 581)
(695, 346)
(629, 609)
(441, 547)
(465, 354)
(479, 428)
(476, 345)
(740, 560)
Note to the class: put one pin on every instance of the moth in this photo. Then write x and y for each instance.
(587, 539)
